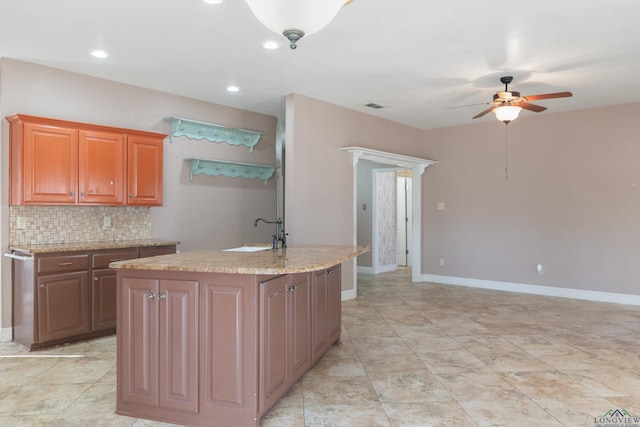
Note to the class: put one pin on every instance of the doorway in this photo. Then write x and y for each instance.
(417, 166)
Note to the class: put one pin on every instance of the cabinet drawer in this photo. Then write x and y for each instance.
(57, 264)
(103, 259)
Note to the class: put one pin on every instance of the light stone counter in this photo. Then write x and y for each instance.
(90, 246)
(299, 259)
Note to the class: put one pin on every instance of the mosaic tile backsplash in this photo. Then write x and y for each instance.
(65, 224)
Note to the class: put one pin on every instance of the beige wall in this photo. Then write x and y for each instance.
(319, 183)
(204, 213)
(571, 203)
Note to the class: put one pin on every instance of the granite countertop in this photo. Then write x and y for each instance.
(281, 261)
(89, 246)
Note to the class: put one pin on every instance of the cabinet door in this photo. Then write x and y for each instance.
(178, 364)
(101, 168)
(319, 307)
(50, 165)
(138, 336)
(300, 325)
(334, 300)
(274, 340)
(144, 172)
(103, 299)
(63, 305)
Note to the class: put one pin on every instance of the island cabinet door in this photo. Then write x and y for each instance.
(300, 325)
(285, 334)
(319, 310)
(138, 336)
(274, 337)
(178, 346)
(334, 300)
(160, 343)
(228, 350)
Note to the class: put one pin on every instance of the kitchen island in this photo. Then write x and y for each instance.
(215, 338)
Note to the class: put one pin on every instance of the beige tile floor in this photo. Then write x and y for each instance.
(411, 355)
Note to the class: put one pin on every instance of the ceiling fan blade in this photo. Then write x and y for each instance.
(548, 96)
(531, 107)
(488, 110)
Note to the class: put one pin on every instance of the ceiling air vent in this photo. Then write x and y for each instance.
(374, 105)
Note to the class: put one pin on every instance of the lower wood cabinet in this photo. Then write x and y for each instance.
(103, 286)
(67, 296)
(160, 335)
(214, 349)
(63, 305)
(285, 335)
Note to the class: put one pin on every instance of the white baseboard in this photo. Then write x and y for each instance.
(535, 289)
(6, 334)
(380, 269)
(386, 268)
(350, 294)
(365, 270)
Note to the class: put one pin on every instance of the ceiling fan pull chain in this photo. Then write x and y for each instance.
(506, 152)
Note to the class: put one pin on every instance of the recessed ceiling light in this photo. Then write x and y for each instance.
(212, 1)
(271, 44)
(98, 53)
(233, 88)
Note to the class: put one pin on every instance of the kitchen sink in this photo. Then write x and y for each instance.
(248, 249)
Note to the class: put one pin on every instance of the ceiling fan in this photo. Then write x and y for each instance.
(507, 104)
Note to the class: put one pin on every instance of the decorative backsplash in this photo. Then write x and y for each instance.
(57, 224)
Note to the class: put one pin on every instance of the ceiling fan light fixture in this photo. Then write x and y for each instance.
(295, 18)
(507, 113)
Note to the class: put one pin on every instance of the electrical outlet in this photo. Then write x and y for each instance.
(21, 223)
(106, 221)
(440, 206)
(441, 262)
(540, 269)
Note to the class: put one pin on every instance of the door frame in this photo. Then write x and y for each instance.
(418, 166)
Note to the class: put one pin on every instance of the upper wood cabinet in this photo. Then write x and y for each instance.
(145, 170)
(56, 162)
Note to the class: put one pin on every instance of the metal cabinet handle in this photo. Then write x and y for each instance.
(61, 264)
(161, 297)
(82, 194)
(131, 195)
(151, 296)
(96, 278)
(72, 193)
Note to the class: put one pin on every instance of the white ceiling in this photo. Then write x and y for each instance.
(417, 58)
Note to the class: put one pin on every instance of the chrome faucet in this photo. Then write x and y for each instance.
(280, 235)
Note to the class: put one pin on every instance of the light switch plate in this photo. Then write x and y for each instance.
(106, 221)
(440, 206)
(21, 223)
